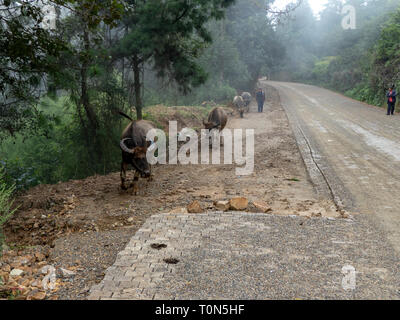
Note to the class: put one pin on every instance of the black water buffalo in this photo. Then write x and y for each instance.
(216, 120)
(134, 150)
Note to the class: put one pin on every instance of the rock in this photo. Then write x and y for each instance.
(222, 205)
(131, 220)
(24, 260)
(179, 211)
(345, 215)
(262, 206)
(195, 207)
(25, 282)
(40, 257)
(6, 268)
(238, 204)
(67, 273)
(305, 214)
(36, 283)
(16, 273)
(332, 215)
(11, 253)
(36, 295)
(27, 271)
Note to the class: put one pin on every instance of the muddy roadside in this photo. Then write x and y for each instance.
(80, 226)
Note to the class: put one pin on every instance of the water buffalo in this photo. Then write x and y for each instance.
(238, 102)
(216, 120)
(247, 100)
(134, 149)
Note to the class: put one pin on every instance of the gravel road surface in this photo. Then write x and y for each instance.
(357, 147)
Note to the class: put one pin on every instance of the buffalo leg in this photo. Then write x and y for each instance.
(124, 166)
(135, 183)
(151, 178)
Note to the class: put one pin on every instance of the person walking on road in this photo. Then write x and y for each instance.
(260, 96)
(391, 95)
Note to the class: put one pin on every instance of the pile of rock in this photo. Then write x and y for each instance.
(27, 276)
(235, 204)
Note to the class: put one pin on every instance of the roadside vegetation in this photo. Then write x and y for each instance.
(106, 56)
(361, 63)
(6, 206)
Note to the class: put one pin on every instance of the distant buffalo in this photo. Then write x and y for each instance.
(247, 100)
(238, 102)
(134, 150)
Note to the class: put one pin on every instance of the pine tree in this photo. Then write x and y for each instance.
(169, 35)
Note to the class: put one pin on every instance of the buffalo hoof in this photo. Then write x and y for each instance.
(135, 190)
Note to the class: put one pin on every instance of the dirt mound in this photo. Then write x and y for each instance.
(187, 117)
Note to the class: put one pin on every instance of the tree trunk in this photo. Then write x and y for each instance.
(222, 64)
(93, 124)
(84, 87)
(138, 88)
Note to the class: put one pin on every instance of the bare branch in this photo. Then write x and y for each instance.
(277, 16)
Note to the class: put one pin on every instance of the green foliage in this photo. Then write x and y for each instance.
(169, 36)
(6, 205)
(218, 92)
(29, 52)
(25, 57)
(256, 41)
(299, 40)
(322, 67)
(244, 47)
(385, 57)
(361, 63)
(63, 153)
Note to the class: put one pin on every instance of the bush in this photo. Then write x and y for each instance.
(15, 173)
(6, 203)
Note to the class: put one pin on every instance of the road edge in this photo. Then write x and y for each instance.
(316, 174)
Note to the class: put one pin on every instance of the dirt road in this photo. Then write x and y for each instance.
(356, 146)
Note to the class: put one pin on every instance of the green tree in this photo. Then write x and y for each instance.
(300, 39)
(170, 36)
(89, 77)
(386, 55)
(252, 31)
(26, 51)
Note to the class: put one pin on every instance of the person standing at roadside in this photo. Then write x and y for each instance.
(391, 95)
(260, 96)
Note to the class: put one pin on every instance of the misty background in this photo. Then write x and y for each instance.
(62, 122)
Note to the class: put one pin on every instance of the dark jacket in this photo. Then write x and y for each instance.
(260, 96)
(393, 95)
